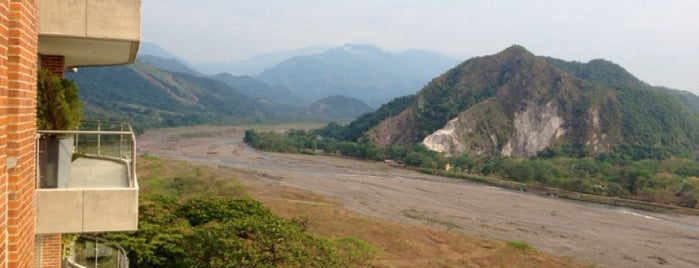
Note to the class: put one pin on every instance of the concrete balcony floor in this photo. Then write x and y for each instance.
(89, 172)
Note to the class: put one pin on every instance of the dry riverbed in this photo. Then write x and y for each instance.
(592, 233)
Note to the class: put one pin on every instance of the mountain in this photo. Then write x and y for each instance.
(151, 49)
(517, 104)
(255, 65)
(147, 96)
(257, 89)
(164, 60)
(336, 108)
(168, 64)
(363, 72)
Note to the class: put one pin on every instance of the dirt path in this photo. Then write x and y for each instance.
(608, 236)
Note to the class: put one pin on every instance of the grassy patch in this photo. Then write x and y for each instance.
(520, 245)
(355, 251)
(183, 180)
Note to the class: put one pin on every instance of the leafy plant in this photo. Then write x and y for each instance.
(67, 245)
(58, 104)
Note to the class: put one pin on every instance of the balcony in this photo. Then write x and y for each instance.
(90, 32)
(88, 251)
(86, 179)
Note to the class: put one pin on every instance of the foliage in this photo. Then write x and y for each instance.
(358, 127)
(200, 211)
(67, 244)
(58, 104)
(220, 227)
(649, 115)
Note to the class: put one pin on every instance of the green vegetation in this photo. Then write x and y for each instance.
(58, 105)
(192, 217)
(358, 127)
(520, 245)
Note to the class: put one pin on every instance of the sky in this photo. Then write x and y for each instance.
(655, 40)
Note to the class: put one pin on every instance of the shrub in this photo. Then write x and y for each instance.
(520, 245)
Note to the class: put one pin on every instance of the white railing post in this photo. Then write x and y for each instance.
(99, 139)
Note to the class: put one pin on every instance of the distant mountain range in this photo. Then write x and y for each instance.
(153, 50)
(258, 89)
(255, 65)
(364, 72)
(168, 64)
(157, 91)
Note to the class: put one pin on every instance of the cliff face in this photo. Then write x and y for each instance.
(517, 104)
(535, 128)
(532, 130)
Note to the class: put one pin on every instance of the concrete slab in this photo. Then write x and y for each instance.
(97, 173)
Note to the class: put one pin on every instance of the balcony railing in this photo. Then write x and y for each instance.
(93, 252)
(86, 179)
(96, 140)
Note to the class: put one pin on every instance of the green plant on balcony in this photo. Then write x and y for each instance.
(58, 103)
(58, 107)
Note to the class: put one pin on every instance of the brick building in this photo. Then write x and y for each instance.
(56, 35)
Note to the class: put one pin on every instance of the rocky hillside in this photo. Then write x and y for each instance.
(517, 104)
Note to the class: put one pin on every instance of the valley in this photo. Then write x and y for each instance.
(589, 233)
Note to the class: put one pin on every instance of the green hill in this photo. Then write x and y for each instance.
(336, 108)
(517, 104)
(147, 96)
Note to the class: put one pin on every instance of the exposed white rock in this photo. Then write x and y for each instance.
(445, 140)
(596, 142)
(535, 129)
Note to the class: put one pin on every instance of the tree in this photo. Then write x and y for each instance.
(58, 105)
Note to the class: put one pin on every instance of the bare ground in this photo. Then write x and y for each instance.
(591, 233)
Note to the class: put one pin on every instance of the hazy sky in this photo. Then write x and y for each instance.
(657, 41)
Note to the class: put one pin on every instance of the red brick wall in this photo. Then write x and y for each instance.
(50, 251)
(54, 63)
(4, 31)
(20, 129)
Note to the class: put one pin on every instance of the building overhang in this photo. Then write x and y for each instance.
(90, 32)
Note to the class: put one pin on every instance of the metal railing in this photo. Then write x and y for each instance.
(114, 141)
(93, 252)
